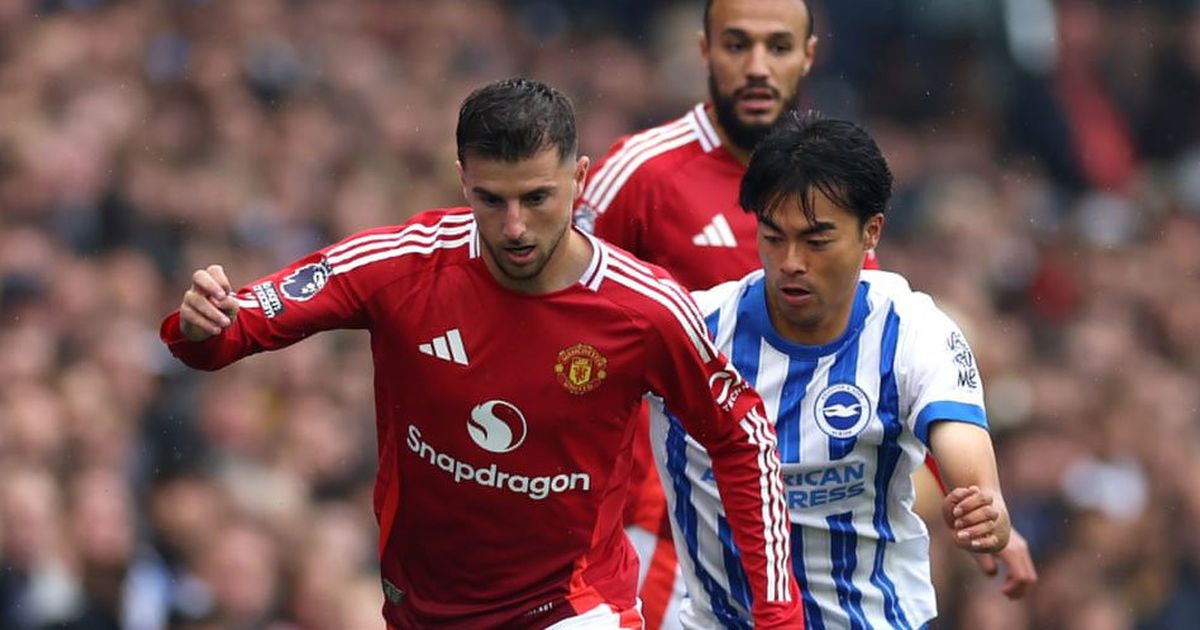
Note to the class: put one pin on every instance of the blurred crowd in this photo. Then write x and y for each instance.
(1047, 156)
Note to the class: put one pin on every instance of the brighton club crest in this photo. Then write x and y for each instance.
(580, 368)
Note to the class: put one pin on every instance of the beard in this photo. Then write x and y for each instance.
(744, 135)
(529, 272)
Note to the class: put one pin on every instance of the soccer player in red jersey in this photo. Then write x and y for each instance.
(509, 350)
(669, 195)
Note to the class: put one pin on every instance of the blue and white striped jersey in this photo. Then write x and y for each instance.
(852, 419)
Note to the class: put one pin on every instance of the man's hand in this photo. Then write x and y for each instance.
(1019, 569)
(208, 307)
(975, 521)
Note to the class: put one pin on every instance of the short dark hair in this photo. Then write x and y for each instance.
(807, 9)
(805, 153)
(514, 119)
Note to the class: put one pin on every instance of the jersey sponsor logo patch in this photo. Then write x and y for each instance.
(842, 410)
(497, 426)
(536, 487)
(268, 299)
(304, 283)
(581, 368)
(726, 386)
(964, 360)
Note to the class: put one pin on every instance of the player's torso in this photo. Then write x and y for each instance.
(509, 416)
(847, 462)
(836, 407)
(695, 227)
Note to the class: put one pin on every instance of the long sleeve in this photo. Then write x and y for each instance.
(325, 290)
(721, 411)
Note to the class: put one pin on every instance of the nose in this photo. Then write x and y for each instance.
(794, 261)
(514, 221)
(756, 63)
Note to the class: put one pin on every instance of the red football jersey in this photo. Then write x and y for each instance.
(505, 421)
(670, 196)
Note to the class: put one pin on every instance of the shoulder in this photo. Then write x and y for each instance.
(643, 156)
(724, 295)
(650, 295)
(642, 282)
(440, 236)
(921, 320)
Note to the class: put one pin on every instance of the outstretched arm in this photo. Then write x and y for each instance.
(974, 509)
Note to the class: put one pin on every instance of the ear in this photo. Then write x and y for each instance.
(872, 230)
(702, 41)
(580, 176)
(810, 52)
(462, 178)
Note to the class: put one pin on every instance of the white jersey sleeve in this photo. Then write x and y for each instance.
(938, 377)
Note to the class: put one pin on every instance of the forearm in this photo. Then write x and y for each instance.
(966, 459)
(747, 471)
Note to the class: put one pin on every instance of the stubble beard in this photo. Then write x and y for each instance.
(534, 270)
(745, 136)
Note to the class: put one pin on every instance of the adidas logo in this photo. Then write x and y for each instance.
(716, 234)
(447, 347)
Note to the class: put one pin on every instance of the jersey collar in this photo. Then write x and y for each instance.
(753, 307)
(709, 140)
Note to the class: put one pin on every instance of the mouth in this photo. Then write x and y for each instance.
(757, 100)
(795, 295)
(520, 255)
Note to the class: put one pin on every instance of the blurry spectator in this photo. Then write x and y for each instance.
(1047, 152)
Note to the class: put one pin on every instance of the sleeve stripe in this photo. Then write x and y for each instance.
(779, 507)
(449, 219)
(679, 303)
(636, 151)
(774, 512)
(636, 143)
(783, 521)
(602, 203)
(408, 236)
(404, 250)
(681, 298)
(656, 294)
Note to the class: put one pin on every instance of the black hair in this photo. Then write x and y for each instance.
(807, 9)
(805, 153)
(514, 119)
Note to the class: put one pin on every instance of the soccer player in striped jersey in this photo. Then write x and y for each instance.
(861, 376)
(669, 195)
(509, 349)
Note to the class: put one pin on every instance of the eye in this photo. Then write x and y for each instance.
(774, 239)
(735, 47)
(491, 201)
(536, 199)
(781, 48)
(819, 243)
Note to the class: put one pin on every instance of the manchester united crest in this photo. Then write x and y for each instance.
(580, 368)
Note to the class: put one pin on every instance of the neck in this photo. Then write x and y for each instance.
(816, 334)
(742, 155)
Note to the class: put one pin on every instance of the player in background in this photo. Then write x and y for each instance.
(508, 350)
(669, 195)
(860, 374)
